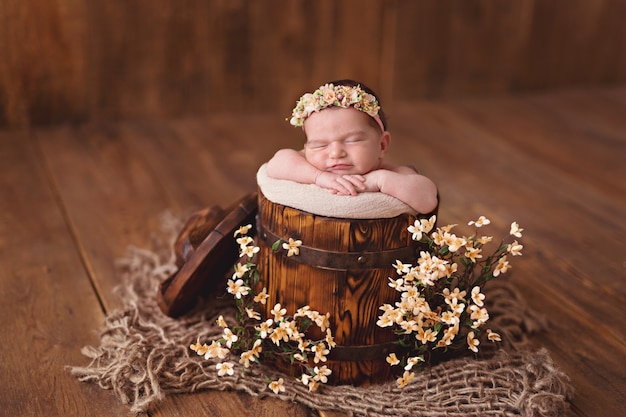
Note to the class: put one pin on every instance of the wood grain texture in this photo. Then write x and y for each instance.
(46, 298)
(79, 60)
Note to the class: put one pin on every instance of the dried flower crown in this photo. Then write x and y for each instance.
(330, 95)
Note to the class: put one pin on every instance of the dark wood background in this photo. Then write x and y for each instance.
(82, 60)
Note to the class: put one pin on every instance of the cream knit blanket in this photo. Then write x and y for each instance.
(316, 200)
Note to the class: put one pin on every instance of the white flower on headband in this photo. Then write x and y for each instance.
(330, 95)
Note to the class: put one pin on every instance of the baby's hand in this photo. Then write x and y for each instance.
(341, 184)
(373, 180)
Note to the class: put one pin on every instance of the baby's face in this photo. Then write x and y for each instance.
(344, 141)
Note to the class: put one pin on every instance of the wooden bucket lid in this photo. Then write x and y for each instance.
(206, 265)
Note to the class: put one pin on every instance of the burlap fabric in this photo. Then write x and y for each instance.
(144, 355)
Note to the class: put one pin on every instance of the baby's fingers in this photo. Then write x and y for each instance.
(357, 181)
(347, 187)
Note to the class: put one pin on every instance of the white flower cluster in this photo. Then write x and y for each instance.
(278, 336)
(441, 304)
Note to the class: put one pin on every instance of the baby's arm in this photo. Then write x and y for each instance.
(406, 185)
(289, 164)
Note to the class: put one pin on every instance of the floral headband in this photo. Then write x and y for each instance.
(330, 95)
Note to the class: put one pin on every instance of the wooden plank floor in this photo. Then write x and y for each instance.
(73, 198)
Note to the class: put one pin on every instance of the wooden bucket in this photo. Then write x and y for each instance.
(343, 268)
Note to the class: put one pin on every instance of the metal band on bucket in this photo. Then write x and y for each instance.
(341, 261)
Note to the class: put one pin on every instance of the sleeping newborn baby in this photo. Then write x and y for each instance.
(346, 141)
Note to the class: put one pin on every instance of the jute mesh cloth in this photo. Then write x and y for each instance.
(144, 355)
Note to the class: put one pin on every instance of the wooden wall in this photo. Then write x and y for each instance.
(82, 60)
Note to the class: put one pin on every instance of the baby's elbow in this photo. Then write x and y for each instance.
(270, 168)
(275, 163)
(428, 198)
(428, 204)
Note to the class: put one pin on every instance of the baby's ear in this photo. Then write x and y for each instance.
(385, 140)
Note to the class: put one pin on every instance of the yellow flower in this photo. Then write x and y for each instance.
(493, 336)
(427, 225)
(472, 342)
(485, 239)
(221, 322)
(303, 345)
(330, 341)
(266, 328)
(404, 380)
(279, 334)
(401, 268)
(416, 230)
(309, 382)
(262, 296)
(237, 288)
(278, 312)
(454, 304)
(453, 242)
(477, 296)
(249, 251)
(199, 349)
(392, 359)
(451, 269)
(396, 284)
(303, 311)
(322, 321)
(385, 320)
(411, 362)
(473, 254)
(320, 352)
(502, 266)
(456, 294)
(482, 221)
(515, 249)
(449, 317)
(321, 374)
(448, 335)
(215, 350)
(243, 230)
(426, 336)
(246, 357)
(516, 230)
(479, 315)
(253, 314)
(240, 270)
(225, 368)
(293, 247)
(277, 386)
(448, 227)
(230, 337)
(256, 348)
(409, 326)
(244, 241)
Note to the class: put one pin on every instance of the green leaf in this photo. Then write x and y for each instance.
(276, 244)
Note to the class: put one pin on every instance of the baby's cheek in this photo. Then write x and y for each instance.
(317, 161)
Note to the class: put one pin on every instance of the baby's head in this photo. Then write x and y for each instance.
(344, 126)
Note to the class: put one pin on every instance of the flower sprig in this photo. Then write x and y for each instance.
(279, 336)
(441, 304)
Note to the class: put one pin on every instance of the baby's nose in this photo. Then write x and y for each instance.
(336, 150)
